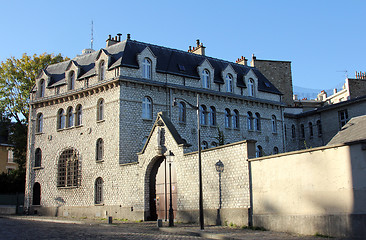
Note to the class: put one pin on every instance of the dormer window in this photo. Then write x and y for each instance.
(146, 68)
(205, 79)
(229, 83)
(251, 87)
(72, 80)
(101, 71)
(41, 88)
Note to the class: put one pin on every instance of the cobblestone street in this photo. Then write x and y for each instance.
(57, 228)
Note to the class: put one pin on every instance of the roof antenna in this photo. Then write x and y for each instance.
(92, 38)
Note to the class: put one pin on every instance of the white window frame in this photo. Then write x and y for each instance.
(229, 83)
(274, 124)
(227, 118)
(146, 108)
(251, 87)
(206, 78)
(146, 68)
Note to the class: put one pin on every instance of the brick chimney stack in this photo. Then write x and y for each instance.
(242, 61)
(199, 49)
(110, 41)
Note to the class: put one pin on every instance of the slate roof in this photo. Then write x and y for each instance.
(353, 131)
(168, 61)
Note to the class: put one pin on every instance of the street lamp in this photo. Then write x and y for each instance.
(171, 213)
(197, 108)
(219, 168)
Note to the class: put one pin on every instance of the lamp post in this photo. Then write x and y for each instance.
(219, 168)
(171, 213)
(197, 108)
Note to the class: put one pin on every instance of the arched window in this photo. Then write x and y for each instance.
(39, 123)
(212, 116)
(102, 71)
(38, 157)
(69, 117)
(79, 115)
(214, 144)
(203, 115)
(251, 87)
(257, 122)
(68, 169)
(42, 87)
(274, 124)
(250, 121)
(147, 108)
(71, 84)
(259, 151)
(235, 119)
(227, 118)
(36, 194)
(99, 150)
(98, 197)
(302, 131)
(311, 132)
(60, 119)
(319, 126)
(100, 109)
(205, 79)
(182, 112)
(275, 150)
(146, 68)
(293, 131)
(229, 83)
(204, 145)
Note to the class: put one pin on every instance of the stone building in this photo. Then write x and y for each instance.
(90, 116)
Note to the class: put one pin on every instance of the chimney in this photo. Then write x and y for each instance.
(242, 61)
(252, 63)
(334, 91)
(200, 49)
(110, 41)
(128, 36)
(294, 97)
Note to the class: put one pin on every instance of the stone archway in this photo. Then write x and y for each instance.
(158, 189)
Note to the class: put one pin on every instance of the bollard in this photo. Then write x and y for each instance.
(160, 223)
(110, 220)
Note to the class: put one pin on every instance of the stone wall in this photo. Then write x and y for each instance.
(319, 190)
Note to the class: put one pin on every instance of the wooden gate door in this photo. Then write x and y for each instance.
(162, 190)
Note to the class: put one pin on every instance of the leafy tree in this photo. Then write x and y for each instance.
(17, 77)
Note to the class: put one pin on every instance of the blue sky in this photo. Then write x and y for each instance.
(321, 38)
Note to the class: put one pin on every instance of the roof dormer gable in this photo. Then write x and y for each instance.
(73, 66)
(229, 70)
(230, 78)
(144, 58)
(103, 55)
(43, 74)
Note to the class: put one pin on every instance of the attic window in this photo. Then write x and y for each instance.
(181, 68)
(267, 84)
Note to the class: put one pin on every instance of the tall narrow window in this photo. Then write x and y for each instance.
(205, 79)
(250, 121)
(235, 119)
(343, 118)
(227, 118)
(293, 131)
(100, 109)
(68, 169)
(99, 149)
(251, 87)
(39, 123)
(102, 71)
(147, 108)
(79, 115)
(41, 88)
(259, 151)
(257, 122)
(311, 133)
(70, 117)
(302, 131)
(71, 80)
(98, 198)
(182, 112)
(229, 83)
(36, 194)
(60, 119)
(38, 157)
(212, 116)
(274, 124)
(146, 68)
(203, 115)
(319, 126)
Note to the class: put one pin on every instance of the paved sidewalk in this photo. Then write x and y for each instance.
(23, 227)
